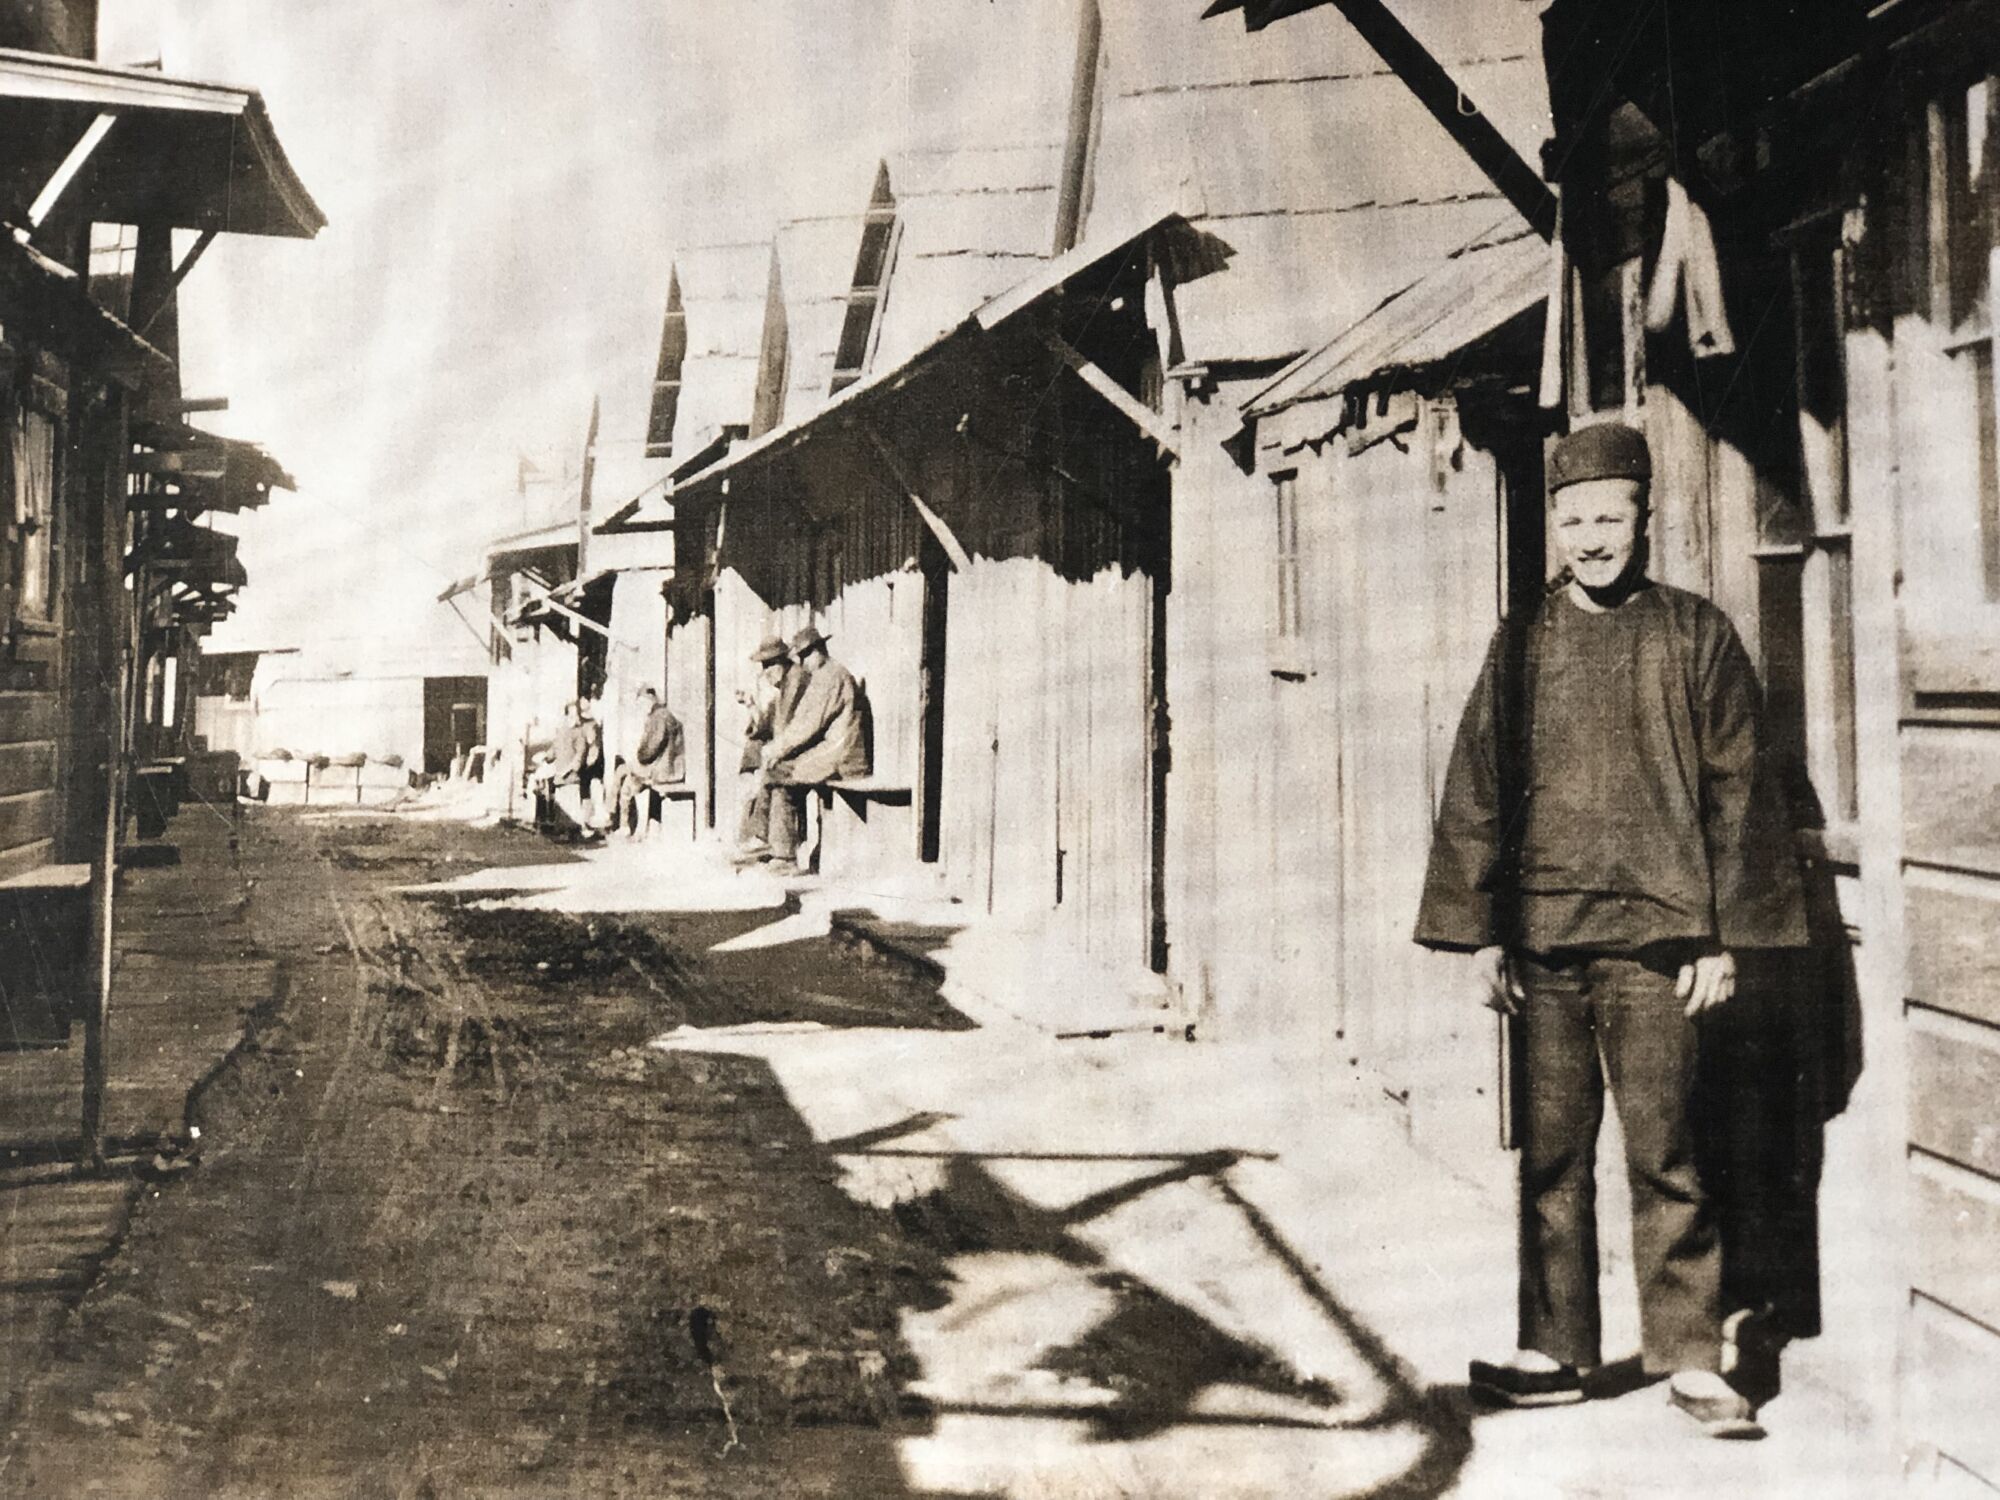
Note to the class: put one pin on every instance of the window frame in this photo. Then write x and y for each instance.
(34, 398)
(1287, 619)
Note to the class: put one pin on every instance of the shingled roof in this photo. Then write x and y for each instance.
(1301, 149)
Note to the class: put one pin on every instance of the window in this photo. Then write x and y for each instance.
(1288, 621)
(667, 375)
(862, 323)
(114, 250)
(1962, 189)
(32, 444)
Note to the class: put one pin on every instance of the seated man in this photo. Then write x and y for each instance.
(769, 702)
(660, 760)
(577, 756)
(821, 740)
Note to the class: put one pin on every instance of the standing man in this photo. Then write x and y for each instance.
(820, 740)
(1609, 839)
(660, 760)
(769, 703)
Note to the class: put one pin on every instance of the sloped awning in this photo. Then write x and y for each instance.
(1184, 251)
(180, 152)
(1426, 326)
(198, 470)
(190, 554)
(49, 300)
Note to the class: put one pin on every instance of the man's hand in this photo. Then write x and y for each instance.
(1494, 982)
(1706, 983)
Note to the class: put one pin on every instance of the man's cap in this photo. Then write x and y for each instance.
(645, 690)
(768, 650)
(806, 639)
(1604, 450)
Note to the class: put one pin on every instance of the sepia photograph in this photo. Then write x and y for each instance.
(999, 749)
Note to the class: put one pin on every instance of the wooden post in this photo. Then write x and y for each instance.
(97, 1020)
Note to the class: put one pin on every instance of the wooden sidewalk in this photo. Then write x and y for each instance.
(187, 973)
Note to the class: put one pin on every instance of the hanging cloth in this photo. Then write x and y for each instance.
(1552, 395)
(1688, 262)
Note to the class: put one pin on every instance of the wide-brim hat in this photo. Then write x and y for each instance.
(1603, 450)
(806, 639)
(768, 650)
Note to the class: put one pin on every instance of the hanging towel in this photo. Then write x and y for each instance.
(1553, 354)
(1688, 262)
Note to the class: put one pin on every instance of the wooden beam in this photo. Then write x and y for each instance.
(947, 538)
(568, 613)
(1130, 406)
(195, 253)
(72, 164)
(1446, 99)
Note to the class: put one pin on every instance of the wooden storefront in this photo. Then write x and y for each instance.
(984, 538)
(1780, 238)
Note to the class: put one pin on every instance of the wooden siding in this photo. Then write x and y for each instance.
(28, 785)
(1046, 802)
(1940, 420)
(1953, 922)
(1306, 768)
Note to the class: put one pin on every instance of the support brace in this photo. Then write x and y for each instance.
(1130, 406)
(195, 253)
(72, 164)
(947, 538)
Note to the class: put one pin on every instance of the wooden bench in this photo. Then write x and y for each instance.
(45, 955)
(653, 801)
(866, 825)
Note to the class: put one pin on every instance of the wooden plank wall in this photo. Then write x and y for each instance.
(1047, 803)
(1253, 826)
(1415, 558)
(28, 725)
(1304, 778)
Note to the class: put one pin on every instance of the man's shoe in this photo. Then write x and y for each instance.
(1715, 1404)
(1517, 1385)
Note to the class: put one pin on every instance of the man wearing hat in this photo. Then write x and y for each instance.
(659, 760)
(1609, 838)
(769, 703)
(821, 739)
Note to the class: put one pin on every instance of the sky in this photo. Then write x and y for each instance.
(504, 182)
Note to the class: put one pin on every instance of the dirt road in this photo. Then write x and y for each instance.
(456, 1231)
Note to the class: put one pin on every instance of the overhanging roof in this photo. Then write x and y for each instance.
(1185, 251)
(49, 298)
(206, 471)
(190, 154)
(1426, 324)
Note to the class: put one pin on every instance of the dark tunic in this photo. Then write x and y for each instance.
(1646, 812)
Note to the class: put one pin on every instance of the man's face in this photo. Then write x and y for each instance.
(1597, 526)
(774, 672)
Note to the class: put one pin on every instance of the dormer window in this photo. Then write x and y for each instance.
(667, 376)
(862, 326)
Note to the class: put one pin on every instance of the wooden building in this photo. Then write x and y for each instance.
(982, 530)
(108, 578)
(1395, 479)
(1779, 240)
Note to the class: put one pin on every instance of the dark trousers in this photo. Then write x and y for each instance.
(788, 819)
(1589, 1019)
